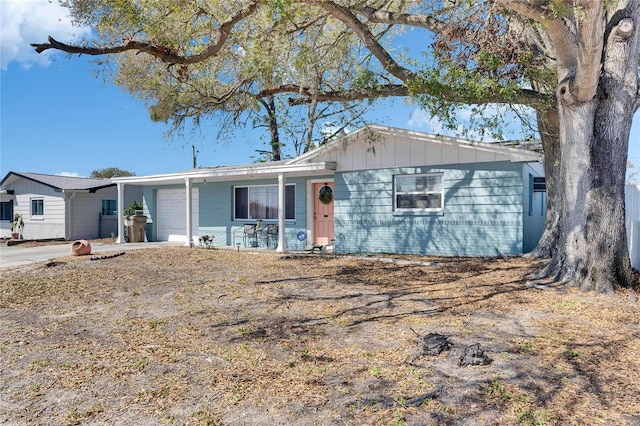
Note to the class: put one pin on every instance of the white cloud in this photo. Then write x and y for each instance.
(31, 21)
(420, 119)
(69, 174)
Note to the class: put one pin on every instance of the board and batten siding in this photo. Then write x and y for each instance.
(482, 214)
(52, 223)
(372, 152)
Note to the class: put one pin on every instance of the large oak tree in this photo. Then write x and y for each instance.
(575, 62)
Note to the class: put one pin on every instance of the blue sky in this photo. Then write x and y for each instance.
(57, 118)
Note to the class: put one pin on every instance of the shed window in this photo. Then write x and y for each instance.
(261, 202)
(424, 192)
(37, 207)
(6, 210)
(109, 207)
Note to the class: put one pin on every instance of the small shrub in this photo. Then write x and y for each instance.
(206, 241)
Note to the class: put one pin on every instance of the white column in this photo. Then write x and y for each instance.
(189, 198)
(281, 214)
(120, 213)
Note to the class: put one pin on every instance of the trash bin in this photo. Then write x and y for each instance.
(135, 227)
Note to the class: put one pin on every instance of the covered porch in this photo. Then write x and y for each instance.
(192, 198)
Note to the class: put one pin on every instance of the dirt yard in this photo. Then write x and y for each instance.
(179, 336)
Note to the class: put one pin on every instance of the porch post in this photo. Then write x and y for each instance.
(189, 198)
(120, 212)
(281, 214)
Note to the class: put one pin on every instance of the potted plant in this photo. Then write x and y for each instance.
(17, 226)
(133, 209)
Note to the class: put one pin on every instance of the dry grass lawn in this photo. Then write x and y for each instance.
(179, 336)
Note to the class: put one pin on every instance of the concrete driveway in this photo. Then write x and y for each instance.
(17, 255)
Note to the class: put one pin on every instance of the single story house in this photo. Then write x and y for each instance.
(61, 207)
(375, 190)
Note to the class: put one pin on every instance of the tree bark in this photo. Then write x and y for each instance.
(592, 251)
(276, 152)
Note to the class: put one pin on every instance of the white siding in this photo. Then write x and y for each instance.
(51, 225)
(84, 219)
(382, 152)
(5, 225)
(66, 214)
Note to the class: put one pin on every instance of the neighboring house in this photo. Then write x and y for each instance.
(385, 190)
(62, 207)
(632, 214)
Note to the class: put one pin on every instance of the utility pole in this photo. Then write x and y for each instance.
(193, 153)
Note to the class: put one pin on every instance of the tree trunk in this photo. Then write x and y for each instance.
(548, 127)
(592, 248)
(276, 153)
(596, 104)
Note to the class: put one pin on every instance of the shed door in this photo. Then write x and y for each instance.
(172, 208)
(322, 216)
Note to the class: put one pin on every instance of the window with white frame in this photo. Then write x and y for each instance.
(419, 192)
(109, 207)
(37, 207)
(261, 202)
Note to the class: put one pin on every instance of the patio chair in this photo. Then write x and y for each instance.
(250, 235)
(271, 233)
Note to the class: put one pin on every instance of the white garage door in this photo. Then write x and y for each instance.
(172, 207)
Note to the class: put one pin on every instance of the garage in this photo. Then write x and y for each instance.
(172, 207)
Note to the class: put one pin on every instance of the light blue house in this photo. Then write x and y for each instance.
(375, 190)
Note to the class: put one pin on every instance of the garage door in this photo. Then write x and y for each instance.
(172, 207)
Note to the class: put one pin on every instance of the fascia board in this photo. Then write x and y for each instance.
(229, 172)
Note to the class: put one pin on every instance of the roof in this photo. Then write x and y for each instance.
(59, 183)
(245, 171)
(311, 163)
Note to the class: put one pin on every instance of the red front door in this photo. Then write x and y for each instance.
(323, 215)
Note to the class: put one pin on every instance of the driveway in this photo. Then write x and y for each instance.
(17, 255)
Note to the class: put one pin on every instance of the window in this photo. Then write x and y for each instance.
(6, 210)
(109, 207)
(419, 192)
(37, 207)
(261, 202)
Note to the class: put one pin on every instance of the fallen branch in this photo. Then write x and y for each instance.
(418, 400)
(107, 256)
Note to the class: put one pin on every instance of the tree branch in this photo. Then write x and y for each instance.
(385, 17)
(163, 53)
(590, 28)
(349, 19)
(562, 38)
(524, 96)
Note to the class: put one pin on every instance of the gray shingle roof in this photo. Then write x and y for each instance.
(68, 183)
